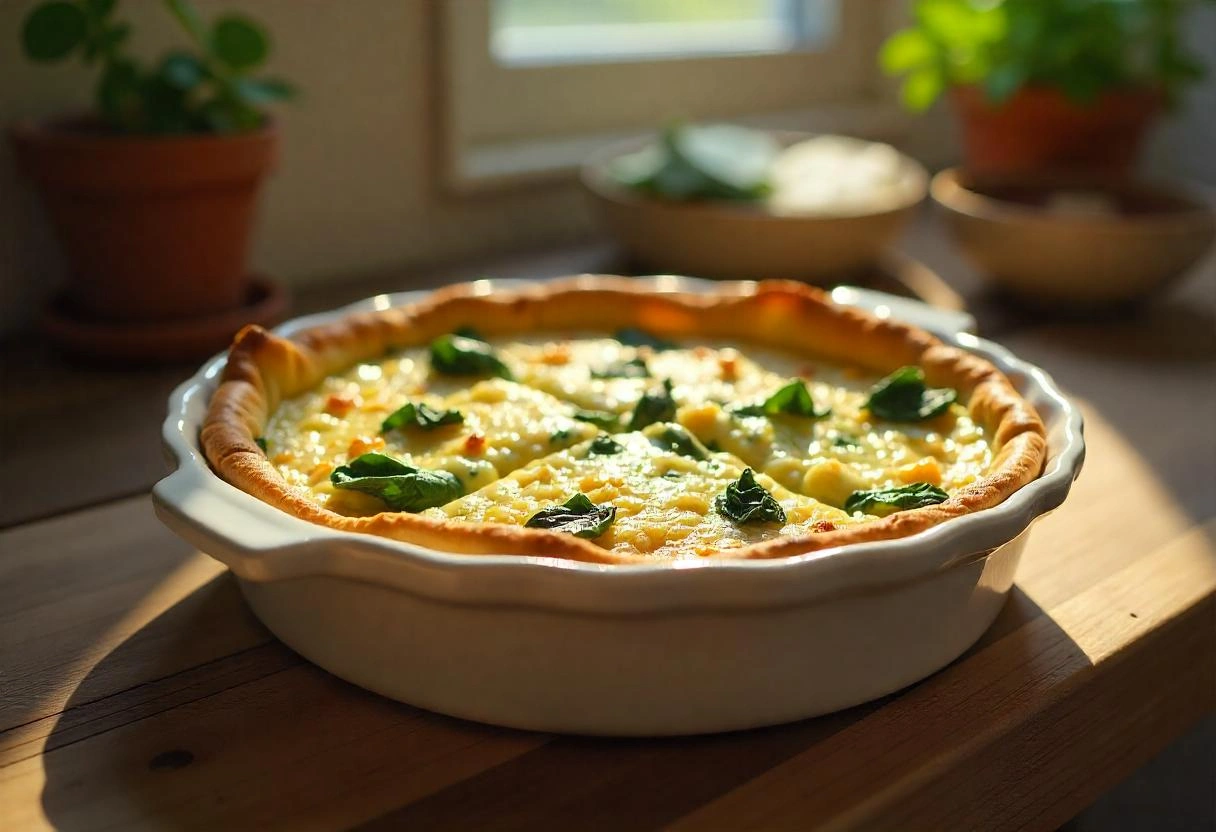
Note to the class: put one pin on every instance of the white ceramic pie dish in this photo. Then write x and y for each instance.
(565, 646)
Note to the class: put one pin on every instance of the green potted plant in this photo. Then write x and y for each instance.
(1044, 86)
(153, 195)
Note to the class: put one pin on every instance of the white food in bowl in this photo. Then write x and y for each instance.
(841, 176)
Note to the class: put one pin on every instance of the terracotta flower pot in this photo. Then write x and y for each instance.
(1039, 130)
(154, 228)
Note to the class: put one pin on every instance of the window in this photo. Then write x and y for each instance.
(527, 88)
(539, 32)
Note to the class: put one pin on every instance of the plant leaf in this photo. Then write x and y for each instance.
(746, 501)
(604, 445)
(599, 418)
(904, 397)
(793, 399)
(239, 42)
(420, 416)
(119, 95)
(921, 88)
(845, 441)
(399, 486)
(884, 501)
(51, 31)
(701, 162)
(677, 439)
(735, 160)
(99, 9)
(633, 337)
(468, 332)
(259, 91)
(182, 71)
(456, 355)
(633, 368)
(577, 516)
(654, 406)
(906, 50)
(187, 16)
(1004, 81)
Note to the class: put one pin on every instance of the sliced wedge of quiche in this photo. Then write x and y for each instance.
(667, 494)
(602, 422)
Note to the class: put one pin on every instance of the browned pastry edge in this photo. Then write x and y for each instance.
(263, 369)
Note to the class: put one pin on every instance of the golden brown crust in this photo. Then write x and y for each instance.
(263, 369)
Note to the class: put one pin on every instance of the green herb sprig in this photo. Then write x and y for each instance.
(633, 368)
(399, 486)
(718, 161)
(604, 445)
(1080, 47)
(654, 406)
(884, 501)
(793, 399)
(420, 415)
(677, 439)
(577, 516)
(208, 90)
(633, 337)
(458, 355)
(746, 501)
(599, 418)
(903, 396)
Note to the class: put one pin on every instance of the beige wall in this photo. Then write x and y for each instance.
(356, 187)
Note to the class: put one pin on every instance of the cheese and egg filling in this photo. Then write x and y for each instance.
(504, 428)
(664, 500)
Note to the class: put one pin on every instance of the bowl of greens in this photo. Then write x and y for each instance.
(724, 201)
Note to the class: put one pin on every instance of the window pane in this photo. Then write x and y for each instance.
(535, 32)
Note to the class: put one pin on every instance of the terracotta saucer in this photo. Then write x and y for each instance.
(162, 342)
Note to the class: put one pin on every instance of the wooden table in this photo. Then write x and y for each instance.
(137, 691)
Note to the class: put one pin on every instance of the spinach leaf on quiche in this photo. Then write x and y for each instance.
(457, 355)
(746, 501)
(599, 418)
(633, 368)
(677, 439)
(793, 399)
(604, 445)
(903, 396)
(399, 486)
(634, 337)
(654, 406)
(577, 516)
(421, 416)
(884, 501)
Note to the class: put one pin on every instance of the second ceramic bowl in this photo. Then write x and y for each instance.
(722, 239)
(1082, 243)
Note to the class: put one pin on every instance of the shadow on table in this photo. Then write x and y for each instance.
(1178, 328)
(1136, 372)
(262, 739)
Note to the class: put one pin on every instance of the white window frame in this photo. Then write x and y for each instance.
(507, 125)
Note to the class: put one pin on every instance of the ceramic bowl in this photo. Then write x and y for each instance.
(1080, 243)
(723, 239)
(558, 645)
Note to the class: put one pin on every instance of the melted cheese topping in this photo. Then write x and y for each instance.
(521, 449)
(849, 449)
(664, 501)
(505, 425)
(569, 369)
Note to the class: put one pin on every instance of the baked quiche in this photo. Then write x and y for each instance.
(596, 419)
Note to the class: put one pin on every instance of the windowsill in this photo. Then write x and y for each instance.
(505, 164)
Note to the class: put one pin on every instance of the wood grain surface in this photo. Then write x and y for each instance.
(138, 692)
